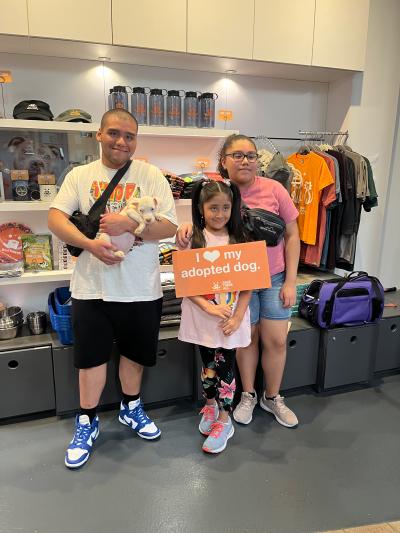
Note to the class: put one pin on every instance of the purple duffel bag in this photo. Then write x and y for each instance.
(352, 301)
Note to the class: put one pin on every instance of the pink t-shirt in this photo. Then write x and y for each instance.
(269, 194)
(198, 327)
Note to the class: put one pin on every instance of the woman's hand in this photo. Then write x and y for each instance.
(231, 325)
(287, 294)
(183, 235)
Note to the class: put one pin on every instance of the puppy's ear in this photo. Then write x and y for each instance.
(134, 202)
(156, 201)
(14, 142)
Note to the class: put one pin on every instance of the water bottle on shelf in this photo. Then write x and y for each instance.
(156, 107)
(118, 97)
(191, 109)
(139, 103)
(174, 108)
(207, 110)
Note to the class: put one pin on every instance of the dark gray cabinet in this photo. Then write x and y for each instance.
(388, 344)
(346, 356)
(26, 381)
(301, 359)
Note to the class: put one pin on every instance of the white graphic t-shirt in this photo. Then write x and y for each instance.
(137, 277)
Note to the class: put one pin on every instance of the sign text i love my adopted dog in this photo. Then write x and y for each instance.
(235, 267)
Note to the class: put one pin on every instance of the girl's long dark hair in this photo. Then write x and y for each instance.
(203, 192)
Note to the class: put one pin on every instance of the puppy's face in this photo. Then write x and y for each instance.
(146, 206)
(36, 158)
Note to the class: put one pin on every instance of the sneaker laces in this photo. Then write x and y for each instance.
(208, 412)
(140, 415)
(247, 400)
(280, 404)
(216, 429)
(81, 434)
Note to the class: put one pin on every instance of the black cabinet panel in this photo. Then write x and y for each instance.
(388, 344)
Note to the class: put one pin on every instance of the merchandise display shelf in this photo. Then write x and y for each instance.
(153, 131)
(38, 277)
(11, 206)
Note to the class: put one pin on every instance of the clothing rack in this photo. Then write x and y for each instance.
(269, 141)
(324, 134)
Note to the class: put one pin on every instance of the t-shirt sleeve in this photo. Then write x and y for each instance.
(287, 209)
(162, 191)
(325, 176)
(67, 199)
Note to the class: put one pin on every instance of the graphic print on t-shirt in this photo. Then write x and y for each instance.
(121, 195)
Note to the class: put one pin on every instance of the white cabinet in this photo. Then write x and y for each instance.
(283, 31)
(340, 35)
(223, 28)
(87, 21)
(13, 17)
(150, 24)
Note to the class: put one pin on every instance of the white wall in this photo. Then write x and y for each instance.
(366, 105)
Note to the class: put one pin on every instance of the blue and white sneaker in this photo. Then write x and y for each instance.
(210, 414)
(218, 438)
(133, 415)
(80, 447)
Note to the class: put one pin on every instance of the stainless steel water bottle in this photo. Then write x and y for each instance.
(156, 107)
(174, 108)
(207, 110)
(139, 103)
(118, 98)
(190, 109)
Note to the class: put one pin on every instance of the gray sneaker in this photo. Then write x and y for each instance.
(210, 414)
(282, 413)
(244, 409)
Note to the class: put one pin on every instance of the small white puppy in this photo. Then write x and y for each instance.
(144, 211)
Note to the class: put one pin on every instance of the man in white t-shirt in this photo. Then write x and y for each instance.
(113, 298)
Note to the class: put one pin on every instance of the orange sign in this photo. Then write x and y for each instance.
(235, 267)
(5, 76)
(225, 114)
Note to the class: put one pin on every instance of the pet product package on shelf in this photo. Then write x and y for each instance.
(37, 252)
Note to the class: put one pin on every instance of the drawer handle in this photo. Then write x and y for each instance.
(292, 343)
(162, 352)
(13, 364)
(353, 339)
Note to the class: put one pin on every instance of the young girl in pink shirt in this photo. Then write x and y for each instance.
(217, 323)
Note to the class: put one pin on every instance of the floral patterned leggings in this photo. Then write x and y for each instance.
(218, 376)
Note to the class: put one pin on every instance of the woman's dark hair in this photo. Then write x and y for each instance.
(203, 191)
(224, 150)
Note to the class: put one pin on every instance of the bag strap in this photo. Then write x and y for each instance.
(98, 207)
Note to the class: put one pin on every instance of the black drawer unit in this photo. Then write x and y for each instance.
(388, 344)
(172, 377)
(26, 381)
(302, 357)
(67, 381)
(346, 356)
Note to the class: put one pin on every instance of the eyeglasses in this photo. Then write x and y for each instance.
(239, 156)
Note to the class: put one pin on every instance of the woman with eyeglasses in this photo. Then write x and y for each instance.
(269, 308)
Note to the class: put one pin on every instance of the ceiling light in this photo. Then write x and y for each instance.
(230, 71)
(104, 58)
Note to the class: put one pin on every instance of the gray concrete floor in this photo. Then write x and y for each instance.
(339, 468)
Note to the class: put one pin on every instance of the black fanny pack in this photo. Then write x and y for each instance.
(89, 224)
(262, 225)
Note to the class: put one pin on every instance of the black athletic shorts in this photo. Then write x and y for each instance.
(133, 325)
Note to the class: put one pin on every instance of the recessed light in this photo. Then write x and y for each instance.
(230, 71)
(104, 58)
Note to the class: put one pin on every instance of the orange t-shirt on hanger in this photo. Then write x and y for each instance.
(306, 195)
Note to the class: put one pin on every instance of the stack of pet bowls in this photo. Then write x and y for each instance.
(11, 319)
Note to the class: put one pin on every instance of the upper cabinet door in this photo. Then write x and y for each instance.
(283, 31)
(221, 28)
(340, 36)
(13, 17)
(75, 20)
(150, 24)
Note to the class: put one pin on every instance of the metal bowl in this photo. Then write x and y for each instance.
(13, 313)
(8, 333)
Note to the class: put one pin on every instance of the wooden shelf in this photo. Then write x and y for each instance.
(151, 131)
(38, 277)
(15, 206)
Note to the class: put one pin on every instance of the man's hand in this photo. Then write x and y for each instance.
(287, 294)
(183, 235)
(115, 224)
(103, 251)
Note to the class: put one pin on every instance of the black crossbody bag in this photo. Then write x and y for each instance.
(89, 224)
(262, 225)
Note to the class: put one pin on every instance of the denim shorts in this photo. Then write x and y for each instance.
(265, 303)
